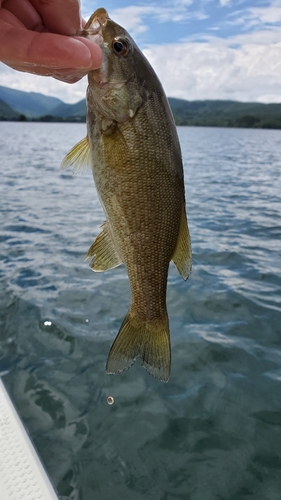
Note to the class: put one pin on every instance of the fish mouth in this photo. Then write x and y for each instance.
(94, 26)
(99, 82)
(106, 84)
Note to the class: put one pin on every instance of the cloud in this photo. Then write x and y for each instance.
(244, 68)
(257, 17)
(138, 18)
(265, 15)
(44, 85)
(223, 3)
(132, 18)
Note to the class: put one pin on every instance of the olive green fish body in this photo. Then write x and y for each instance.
(137, 169)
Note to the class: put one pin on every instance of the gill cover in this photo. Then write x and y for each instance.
(114, 88)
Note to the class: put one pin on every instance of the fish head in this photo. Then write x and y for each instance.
(115, 89)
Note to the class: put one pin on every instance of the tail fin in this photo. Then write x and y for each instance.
(149, 340)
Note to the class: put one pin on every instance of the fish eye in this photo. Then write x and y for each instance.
(120, 46)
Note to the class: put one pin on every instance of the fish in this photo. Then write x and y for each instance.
(133, 150)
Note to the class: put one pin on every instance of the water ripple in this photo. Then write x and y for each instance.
(214, 430)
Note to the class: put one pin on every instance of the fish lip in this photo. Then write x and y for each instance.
(95, 24)
(100, 83)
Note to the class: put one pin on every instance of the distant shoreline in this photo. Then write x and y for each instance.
(16, 105)
(246, 123)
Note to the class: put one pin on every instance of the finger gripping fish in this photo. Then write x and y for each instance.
(133, 149)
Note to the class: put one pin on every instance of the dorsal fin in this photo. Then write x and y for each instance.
(79, 157)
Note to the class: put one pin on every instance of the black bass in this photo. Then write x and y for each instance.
(133, 149)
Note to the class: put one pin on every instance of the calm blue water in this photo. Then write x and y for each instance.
(214, 431)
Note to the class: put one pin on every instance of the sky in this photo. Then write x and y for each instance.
(200, 49)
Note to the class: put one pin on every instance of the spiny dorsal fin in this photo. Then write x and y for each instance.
(103, 252)
(79, 157)
(182, 257)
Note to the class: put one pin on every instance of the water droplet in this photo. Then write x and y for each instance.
(47, 323)
(110, 400)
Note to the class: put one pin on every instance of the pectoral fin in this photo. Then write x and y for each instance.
(79, 157)
(182, 257)
(103, 252)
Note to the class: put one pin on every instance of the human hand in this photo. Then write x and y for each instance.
(41, 38)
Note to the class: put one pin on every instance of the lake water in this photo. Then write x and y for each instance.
(214, 431)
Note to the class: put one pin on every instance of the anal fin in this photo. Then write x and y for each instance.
(103, 252)
(182, 257)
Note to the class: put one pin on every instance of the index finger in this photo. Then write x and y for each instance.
(30, 48)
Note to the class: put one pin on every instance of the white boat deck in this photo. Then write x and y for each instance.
(22, 476)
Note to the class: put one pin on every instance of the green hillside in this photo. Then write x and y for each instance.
(226, 113)
(203, 113)
(7, 113)
(212, 113)
(68, 110)
(30, 104)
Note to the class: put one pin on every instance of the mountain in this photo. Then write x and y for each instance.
(67, 110)
(30, 104)
(204, 113)
(211, 113)
(7, 113)
(226, 113)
